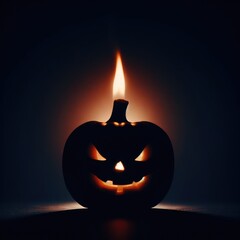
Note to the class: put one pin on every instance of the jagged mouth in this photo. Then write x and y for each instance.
(120, 188)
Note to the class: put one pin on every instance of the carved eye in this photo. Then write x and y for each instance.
(139, 157)
(144, 155)
(95, 154)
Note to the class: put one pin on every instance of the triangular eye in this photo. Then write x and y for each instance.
(95, 155)
(144, 155)
(140, 157)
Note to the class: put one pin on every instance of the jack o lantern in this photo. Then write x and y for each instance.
(118, 164)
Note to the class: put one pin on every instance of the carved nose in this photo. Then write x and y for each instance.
(119, 167)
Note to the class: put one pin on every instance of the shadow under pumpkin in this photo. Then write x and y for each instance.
(149, 224)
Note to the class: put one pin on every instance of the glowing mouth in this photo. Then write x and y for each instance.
(120, 188)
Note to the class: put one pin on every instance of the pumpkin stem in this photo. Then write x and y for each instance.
(119, 111)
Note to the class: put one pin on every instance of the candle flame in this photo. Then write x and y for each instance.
(119, 80)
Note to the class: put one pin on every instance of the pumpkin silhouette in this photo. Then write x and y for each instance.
(118, 164)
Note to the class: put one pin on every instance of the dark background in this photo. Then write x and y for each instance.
(191, 50)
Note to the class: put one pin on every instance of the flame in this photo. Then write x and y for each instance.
(119, 80)
(119, 167)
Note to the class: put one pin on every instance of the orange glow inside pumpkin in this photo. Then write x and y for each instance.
(143, 156)
(94, 153)
(120, 189)
(119, 167)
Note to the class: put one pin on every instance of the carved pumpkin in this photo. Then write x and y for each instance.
(118, 164)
